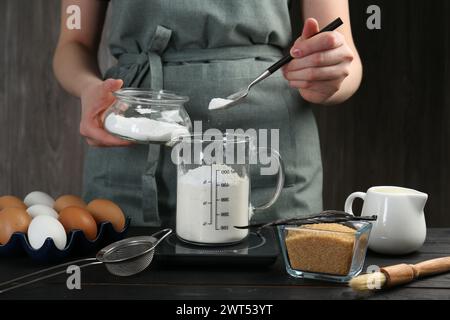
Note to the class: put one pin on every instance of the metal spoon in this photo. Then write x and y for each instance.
(235, 98)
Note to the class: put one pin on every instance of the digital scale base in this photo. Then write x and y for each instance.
(255, 250)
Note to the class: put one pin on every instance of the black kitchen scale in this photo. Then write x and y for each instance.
(254, 250)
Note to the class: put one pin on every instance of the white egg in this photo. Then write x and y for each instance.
(43, 227)
(42, 210)
(38, 197)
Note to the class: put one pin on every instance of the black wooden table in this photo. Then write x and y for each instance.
(218, 282)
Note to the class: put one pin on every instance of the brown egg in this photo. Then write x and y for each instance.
(76, 218)
(13, 220)
(104, 210)
(68, 201)
(11, 202)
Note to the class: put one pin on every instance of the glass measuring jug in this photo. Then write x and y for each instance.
(213, 187)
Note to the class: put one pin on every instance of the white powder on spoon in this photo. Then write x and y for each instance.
(218, 103)
(144, 129)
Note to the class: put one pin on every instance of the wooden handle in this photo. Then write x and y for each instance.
(430, 267)
(405, 273)
(398, 274)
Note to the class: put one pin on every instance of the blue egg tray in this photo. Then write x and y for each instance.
(77, 244)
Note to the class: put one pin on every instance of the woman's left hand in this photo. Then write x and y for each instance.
(321, 63)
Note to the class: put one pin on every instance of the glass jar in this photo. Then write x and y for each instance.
(144, 116)
(327, 255)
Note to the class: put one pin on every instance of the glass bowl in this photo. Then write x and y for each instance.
(327, 255)
(144, 116)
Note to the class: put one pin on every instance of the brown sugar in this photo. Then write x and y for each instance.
(323, 248)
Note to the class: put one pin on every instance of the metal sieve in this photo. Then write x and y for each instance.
(123, 258)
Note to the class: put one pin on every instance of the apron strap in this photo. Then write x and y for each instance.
(145, 70)
(158, 44)
(149, 186)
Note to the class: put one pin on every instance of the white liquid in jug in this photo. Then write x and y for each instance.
(211, 200)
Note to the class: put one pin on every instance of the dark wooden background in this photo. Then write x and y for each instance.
(395, 131)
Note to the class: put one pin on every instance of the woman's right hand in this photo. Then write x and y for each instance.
(95, 99)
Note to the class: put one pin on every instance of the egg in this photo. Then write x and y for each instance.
(38, 197)
(13, 220)
(68, 201)
(104, 210)
(43, 227)
(41, 210)
(75, 218)
(11, 202)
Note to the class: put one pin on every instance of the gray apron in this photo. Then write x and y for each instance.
(205, 49)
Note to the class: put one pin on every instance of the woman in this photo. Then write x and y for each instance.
(205, 49)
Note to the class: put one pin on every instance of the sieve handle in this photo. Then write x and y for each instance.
(93, 261)
(166, 233)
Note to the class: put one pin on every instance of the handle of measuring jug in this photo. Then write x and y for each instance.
(280, 182)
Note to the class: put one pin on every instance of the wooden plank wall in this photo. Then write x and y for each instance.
(40, 148)
(394, 131)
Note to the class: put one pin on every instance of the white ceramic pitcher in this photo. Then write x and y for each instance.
(400, 227)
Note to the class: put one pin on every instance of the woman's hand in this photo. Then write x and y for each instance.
(321, 63)
(95, 98)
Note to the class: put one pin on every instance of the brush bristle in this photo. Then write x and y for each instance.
(370, 281)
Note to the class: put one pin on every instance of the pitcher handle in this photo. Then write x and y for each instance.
(279, 186)
(348, 207)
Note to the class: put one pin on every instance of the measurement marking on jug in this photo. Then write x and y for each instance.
(215, 211)
(218, 185)
(217, 218)
(211, 199)
(210, 202)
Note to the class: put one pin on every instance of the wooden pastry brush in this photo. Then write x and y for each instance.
(399, 274)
